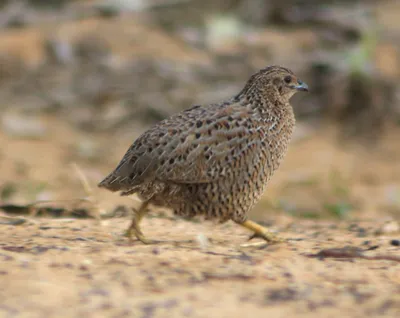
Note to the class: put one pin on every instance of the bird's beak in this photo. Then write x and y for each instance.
(301, 86)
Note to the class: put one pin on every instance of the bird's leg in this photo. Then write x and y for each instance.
(134, 228)
(261, 232)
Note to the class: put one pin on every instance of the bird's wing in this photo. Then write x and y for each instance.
(199, 145)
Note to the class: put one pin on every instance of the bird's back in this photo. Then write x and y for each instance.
(231, 148)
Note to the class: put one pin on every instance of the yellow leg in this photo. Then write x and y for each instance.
(261, 232)
(134, 228)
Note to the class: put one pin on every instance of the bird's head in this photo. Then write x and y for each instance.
(275, 82)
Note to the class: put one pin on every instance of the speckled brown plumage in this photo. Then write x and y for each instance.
(213, 160)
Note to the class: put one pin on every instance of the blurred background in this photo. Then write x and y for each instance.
(80, 80)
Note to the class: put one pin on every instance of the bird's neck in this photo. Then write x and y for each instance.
(270, 105)
(262, 96)
(265, 99)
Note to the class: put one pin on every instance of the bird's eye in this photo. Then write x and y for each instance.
(287, 79)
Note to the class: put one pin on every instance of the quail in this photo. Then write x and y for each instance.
(214, 160)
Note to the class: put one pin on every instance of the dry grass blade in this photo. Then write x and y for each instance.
(96, 208)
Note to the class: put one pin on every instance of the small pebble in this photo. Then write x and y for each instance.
(203, 241)
(395, 242)
(390, 227)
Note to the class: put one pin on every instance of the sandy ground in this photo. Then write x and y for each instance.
(70, 268)
(67, 267)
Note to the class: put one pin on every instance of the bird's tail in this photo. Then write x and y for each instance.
(110, 183)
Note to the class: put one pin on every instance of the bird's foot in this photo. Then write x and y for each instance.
(268, 236)
(134, 230)
(260, 232)
(268, 239)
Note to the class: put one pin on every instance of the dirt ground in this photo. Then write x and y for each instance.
(79, 269)
(66, 267)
